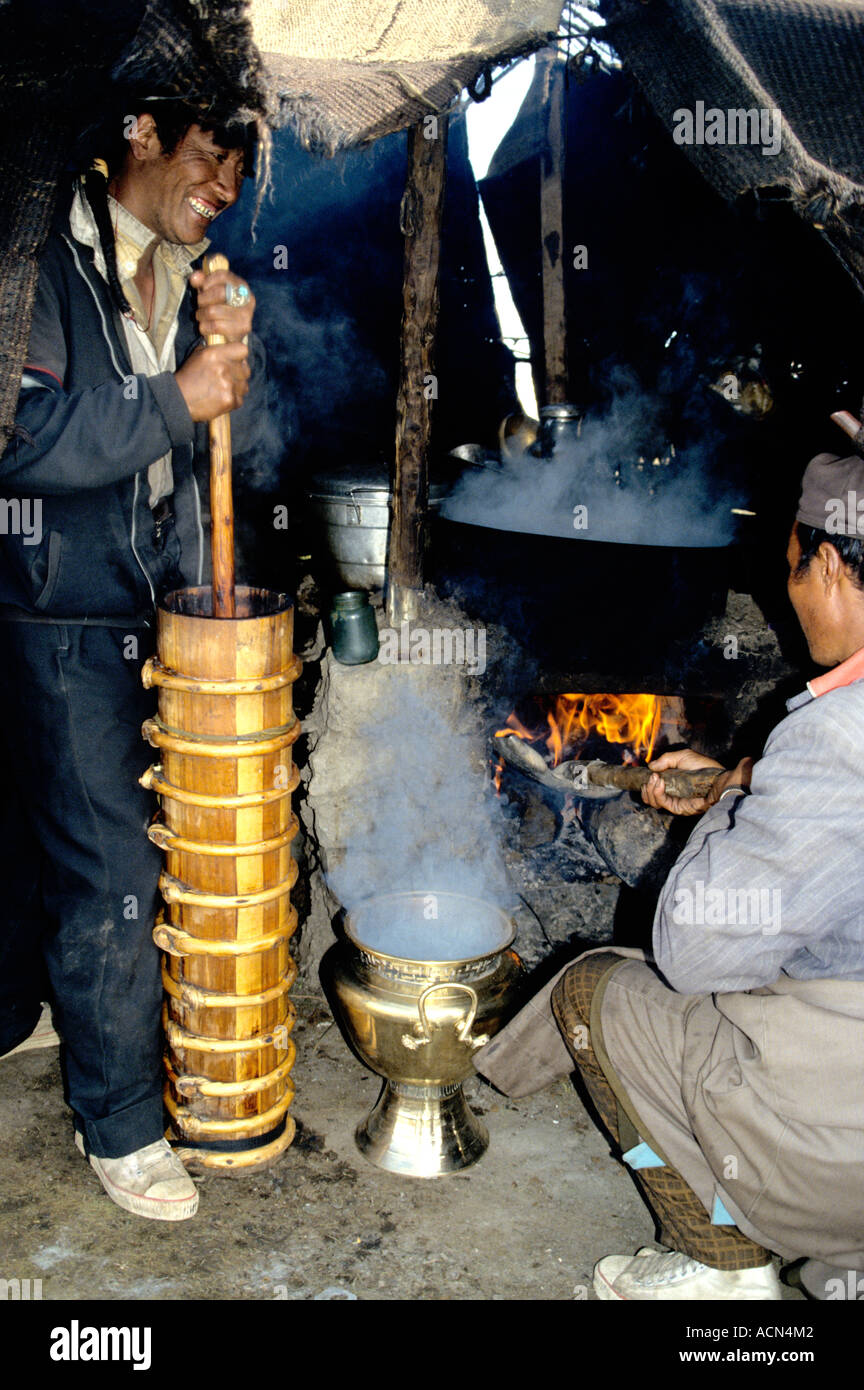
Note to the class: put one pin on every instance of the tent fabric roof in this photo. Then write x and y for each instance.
(803, 58)
(343, 73)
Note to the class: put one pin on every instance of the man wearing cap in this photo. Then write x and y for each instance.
(115, 400)
(728, 1069)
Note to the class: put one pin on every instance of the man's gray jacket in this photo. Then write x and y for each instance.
(755, 1096)
(87, 429)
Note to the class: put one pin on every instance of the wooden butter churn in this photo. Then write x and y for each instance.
(224, 730)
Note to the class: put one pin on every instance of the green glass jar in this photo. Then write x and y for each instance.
(355, 631)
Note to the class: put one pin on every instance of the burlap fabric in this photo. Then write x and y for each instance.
(804, 58)
(343, 73)
(683, 1222)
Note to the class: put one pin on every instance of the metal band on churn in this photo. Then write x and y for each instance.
(224, 730)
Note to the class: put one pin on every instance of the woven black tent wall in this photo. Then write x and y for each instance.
(804, 58)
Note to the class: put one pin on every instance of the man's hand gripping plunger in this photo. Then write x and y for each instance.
(214, 380)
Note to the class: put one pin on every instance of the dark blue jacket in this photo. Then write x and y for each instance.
(87, 429)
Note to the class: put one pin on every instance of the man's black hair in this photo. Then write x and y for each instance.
(849, 548)
(172, 120)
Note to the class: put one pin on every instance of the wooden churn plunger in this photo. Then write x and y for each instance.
(225, 727)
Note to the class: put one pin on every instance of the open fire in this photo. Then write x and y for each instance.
(630, 721)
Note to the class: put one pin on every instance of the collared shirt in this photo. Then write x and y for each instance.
(852, 669)
(773, 883)
(149, 338)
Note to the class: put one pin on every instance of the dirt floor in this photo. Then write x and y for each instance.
(528, 1222)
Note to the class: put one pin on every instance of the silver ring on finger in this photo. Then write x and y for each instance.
(236, 295)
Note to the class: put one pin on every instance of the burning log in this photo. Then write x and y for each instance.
(631, 720)
(678, 781)
(519, 754)
(587, 779)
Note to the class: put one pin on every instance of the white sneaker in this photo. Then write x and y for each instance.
(150, 1182)
(649, 1276)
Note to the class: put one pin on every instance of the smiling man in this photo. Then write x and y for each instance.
(114, 402)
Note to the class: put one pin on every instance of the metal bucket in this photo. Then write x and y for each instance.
(352, 510)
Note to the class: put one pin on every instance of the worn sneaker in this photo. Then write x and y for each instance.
(649, 1276)
(150, 1182)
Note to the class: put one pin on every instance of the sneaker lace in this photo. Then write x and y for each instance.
(153, 1156)
(656, 1270)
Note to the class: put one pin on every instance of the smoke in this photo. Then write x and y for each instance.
(303, 270)
(425, 820)
(619, 480)
(317, 372)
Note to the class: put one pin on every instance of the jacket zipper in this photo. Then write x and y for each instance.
(122, 375)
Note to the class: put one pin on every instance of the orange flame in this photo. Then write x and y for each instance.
(633, 720)
(499, 773)
(515, 726)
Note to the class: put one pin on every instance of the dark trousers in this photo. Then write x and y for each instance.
(80, 875)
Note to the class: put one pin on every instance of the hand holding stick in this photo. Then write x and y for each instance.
(709, 780)
(679, 782)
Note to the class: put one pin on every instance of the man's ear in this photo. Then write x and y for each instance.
(831, 567)
(140, 131)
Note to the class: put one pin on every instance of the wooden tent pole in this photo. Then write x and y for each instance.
(554, 385)
(421, 220)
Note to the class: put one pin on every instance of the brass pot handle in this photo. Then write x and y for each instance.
(424, 1032)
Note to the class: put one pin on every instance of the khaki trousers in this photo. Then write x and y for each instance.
(684, 1224)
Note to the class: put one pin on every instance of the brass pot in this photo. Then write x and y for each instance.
(417, 1020)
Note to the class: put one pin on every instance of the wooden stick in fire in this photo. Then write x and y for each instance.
(221, 498)
(573, 775)
(678, 782)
